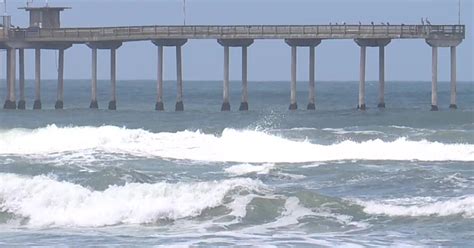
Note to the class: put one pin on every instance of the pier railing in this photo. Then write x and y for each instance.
(239, 32)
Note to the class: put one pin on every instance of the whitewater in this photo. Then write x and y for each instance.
(402, 176)
(231, 146)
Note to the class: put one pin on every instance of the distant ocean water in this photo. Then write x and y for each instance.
(336, 176)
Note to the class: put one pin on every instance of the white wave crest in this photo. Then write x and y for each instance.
(232, 146)
(48, 202)
(243, 169)
(421, 206)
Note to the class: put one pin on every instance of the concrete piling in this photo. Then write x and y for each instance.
(311, 44)
(293, 104)
(434, 79)
(311, 94)
(244, 105)
(159, 87)
(94, 104)
(364, 43)
(10, 103)
(113, 80)
(7, 78)
(225, 93)
(21, 62)
(452, 104)
(435, 43)
(13, 79)
(361, 105)
(381, 103)
(179, 80)
(37, 102)
(60, 89)
(227, 44)
(177, 43)
(112, 46)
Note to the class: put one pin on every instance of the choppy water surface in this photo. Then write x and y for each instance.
(335, 176)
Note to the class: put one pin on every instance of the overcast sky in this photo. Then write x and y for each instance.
(268, 59)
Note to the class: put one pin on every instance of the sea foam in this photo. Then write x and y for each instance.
(243, 146)
(44, 201)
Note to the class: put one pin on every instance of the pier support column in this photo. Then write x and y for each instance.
(244, 105)
(94, 104)
(434, 79)
(37, 103)
(60, 90)
(22, 102)
(293, 104)
(364, 43)
(361, 104)
(242, 43)
(311, 96)
(381, 103)
(451, 42)
(10, 103)
(452, 104)
(294, 43)
(113, 80)
(7, 76)
(177, 43)
(225, 93)
(112, 46)
(159, 87)
(179, 80)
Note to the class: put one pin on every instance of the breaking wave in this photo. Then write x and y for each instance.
(43, 201)
(421, 206)
(243, 146)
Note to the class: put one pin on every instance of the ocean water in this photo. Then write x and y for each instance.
(402, 176)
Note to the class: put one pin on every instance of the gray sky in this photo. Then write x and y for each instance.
(268, 59)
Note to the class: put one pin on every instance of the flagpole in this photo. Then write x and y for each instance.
(184, 12)
(459, 12)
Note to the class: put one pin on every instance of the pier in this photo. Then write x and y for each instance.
(45, 32)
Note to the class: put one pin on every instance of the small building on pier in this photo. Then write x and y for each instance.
(45, 17)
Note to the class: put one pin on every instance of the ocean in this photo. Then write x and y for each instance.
(400, 176)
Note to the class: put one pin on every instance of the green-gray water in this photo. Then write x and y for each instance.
(334, 176)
